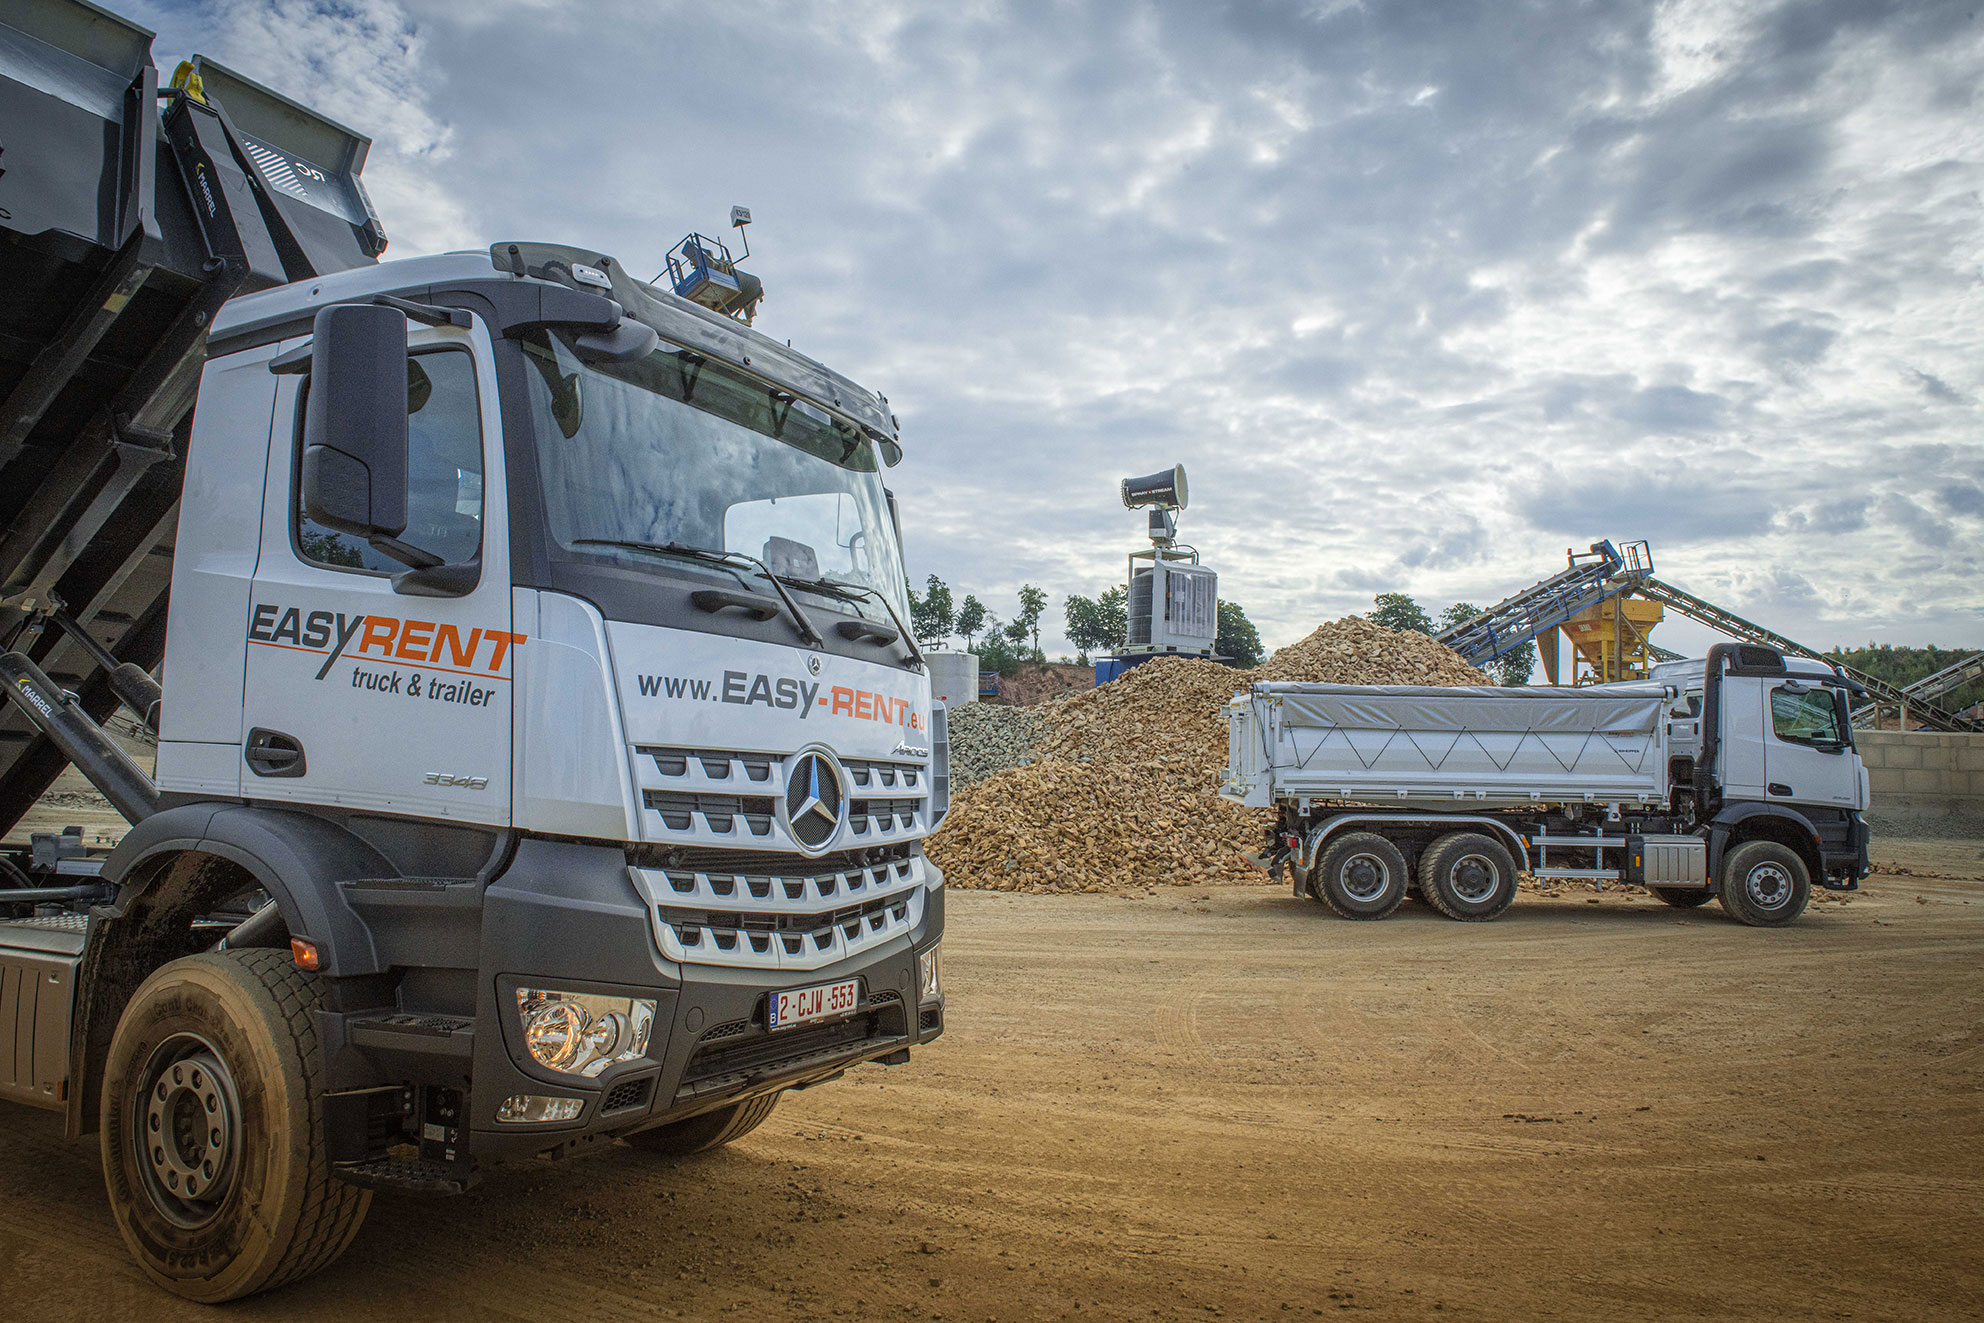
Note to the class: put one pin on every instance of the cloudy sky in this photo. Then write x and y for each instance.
(1422, 293)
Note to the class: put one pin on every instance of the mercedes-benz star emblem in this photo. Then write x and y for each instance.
(815, 801)
(813, 665)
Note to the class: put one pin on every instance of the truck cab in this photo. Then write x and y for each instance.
(1783, 738)
(542, 758)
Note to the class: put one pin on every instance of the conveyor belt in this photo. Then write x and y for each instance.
(1599, 575)
(1728, 622)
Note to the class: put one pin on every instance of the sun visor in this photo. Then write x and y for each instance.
(683, 323)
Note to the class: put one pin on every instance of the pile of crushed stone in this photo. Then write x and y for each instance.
(1119, 795)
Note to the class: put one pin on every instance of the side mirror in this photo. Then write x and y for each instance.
(355, 433)
(895, 518)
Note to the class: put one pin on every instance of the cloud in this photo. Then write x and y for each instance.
(1420, 294)
(1936, 388)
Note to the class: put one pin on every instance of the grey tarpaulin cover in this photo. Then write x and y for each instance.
(1479, 745)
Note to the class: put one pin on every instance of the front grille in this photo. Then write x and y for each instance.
(767, 914)
(715, 764)
(719, 812)
(714, 798)
(884, 776)
(883, 815)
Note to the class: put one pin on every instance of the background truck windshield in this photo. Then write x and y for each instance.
(677, 448)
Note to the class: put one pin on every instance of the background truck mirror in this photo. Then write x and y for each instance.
(355, 432)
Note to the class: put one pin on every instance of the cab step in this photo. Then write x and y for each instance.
(418, 1175)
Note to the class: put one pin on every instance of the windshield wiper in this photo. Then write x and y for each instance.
(715, 557)
(840, 588)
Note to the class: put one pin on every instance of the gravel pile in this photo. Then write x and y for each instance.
(988, 738)
(1119, 796)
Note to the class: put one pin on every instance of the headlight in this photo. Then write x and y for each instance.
(577, 1033)
(929, 971)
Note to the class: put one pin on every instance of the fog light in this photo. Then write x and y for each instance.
(929, 971)
(526, 1108)
(577, 1033)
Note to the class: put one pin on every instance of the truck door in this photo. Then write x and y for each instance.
(1740, 762)
(363, 697)
(1805, 755)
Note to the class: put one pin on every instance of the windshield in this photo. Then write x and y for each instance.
(677, 448)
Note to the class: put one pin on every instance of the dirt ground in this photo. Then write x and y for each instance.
(1229, 1105)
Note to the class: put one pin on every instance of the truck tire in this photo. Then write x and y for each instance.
(1683, 898)
(1362, 876)
(213, 1128)
(699, 1134)
(1764, 884)
(1468, 876)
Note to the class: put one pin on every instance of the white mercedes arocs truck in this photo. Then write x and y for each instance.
(541, 755)
(1731, 778)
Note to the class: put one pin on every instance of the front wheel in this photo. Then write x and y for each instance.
(213, 1128)
(1764, 884)
(701, 1133)
(1361, 876)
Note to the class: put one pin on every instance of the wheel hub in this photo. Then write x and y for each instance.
(187, 1130)
(1472, 878)
(1768, 884)
(1363, 877)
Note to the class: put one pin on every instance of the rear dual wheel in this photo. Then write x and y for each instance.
(1468, 876)
(1682, 898)
(1361, 876)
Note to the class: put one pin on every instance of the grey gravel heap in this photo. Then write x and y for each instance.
(990, 737)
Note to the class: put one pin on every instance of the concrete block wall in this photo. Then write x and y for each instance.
(1910, 771)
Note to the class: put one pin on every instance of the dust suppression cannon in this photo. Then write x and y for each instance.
(1173, 600)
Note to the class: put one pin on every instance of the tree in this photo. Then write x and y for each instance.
(1098, 623)
(996, 654)
(1085, 630)
(971, 619)
(1399, 611)
(1511, 668)
(1516, 666)
(931, 616)
(1033, 601)
(1238, 638)
(1115, 608)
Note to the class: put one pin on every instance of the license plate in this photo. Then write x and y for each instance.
(802, 1005)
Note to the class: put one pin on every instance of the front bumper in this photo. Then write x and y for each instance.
(570, 917)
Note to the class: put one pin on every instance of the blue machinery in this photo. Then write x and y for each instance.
(1607, 571)
(1597, 576)
(702, 271)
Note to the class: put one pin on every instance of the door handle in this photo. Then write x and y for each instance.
(272, 753)
(1778, 788)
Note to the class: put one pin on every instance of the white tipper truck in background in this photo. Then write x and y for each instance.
(1732, 778)
(541, 755)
